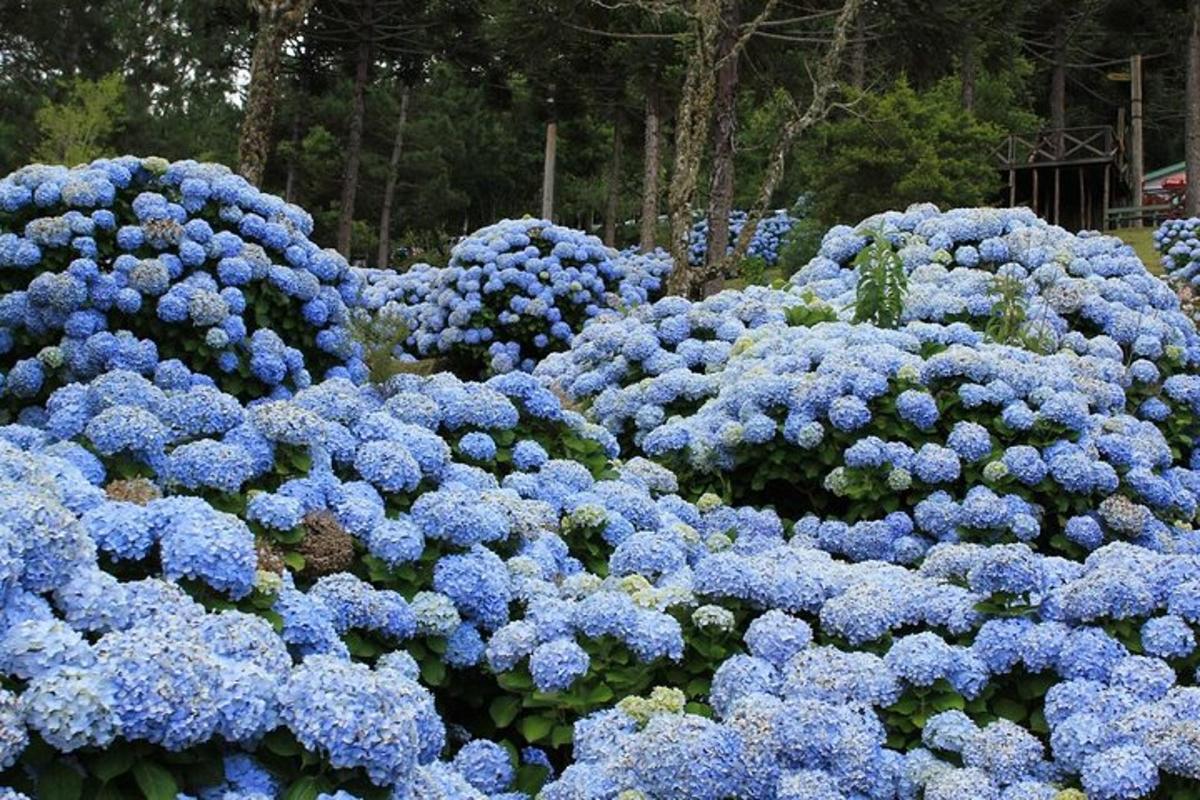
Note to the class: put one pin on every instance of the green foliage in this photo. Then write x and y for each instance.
(882, 283)
(801, 244)
(1009, 311)
(1009, 322)
(81, 127)
(380, 336)
(1002, 97)
(812, 311)
(753, 270)
(897, 148)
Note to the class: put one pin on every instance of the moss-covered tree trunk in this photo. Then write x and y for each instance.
(720, 190)
(277, 20)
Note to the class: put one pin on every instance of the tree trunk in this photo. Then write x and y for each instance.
(293, 164)
(652, 166)
(613, 205)
(858, 55)
(548, 167)
(720, 191)
(276, 21)
(693, 120)
(968, 69)
(389, 191)
(362, 68)
(1192, 134)
(1058, 85)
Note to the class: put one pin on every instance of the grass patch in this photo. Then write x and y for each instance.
(772, 275)
(1143, 242)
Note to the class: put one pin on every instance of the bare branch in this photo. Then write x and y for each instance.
(749, 30)
(824, 81)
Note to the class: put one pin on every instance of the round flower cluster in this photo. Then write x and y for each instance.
(1073, 288)
(109, 663)
(765, 244)
(969, 571)
(930, 658)
(670, 335)
(972, 441)
(512, 292)
(123, 262)
(1178, 240)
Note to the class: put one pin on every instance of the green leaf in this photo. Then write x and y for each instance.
(303, 788)
(531, 778)
(504, 710)
(433, 671)
(281, 743)
(154, 781)
(1009, 709)
(295, 561)
(60, 781)
(515, 681)
(115, 761)
(535, 729)
(562, 735)
(949, 701)
(598, 694)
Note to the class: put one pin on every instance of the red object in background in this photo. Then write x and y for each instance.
(1170, 191)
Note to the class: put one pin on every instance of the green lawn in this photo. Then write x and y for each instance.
(1142, 242)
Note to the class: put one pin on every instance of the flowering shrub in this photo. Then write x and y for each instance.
(1078, 287)
(967, 569)
(765, 244)
(1178, 240)
(125, 262)
(512, 292)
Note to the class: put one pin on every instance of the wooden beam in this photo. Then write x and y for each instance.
(1057, 192)
(1104, 199)
(1083, 218)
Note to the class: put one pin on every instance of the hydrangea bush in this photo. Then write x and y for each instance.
(512, 293)
(1178, 240)
(930, 564)
(765, 243)
(126, 262)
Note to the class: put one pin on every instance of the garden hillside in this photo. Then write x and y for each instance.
(917, 523)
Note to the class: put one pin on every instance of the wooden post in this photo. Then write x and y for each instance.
(1012, 188)
(1057, 192)
(1121, 131)
(1104, 200)
(1137, 169)
(1083, 219)
(1035, 190)
(1191, 124)
(548, 171)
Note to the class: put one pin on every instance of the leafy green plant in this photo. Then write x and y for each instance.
(1009, 311)
(1009, 322)
(79, 128)
(882, 283)
(380, 337)
(812, 311)
(901, 146)
(753, 270)
(801, 244)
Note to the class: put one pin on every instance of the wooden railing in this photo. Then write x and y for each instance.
(1057, 146)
